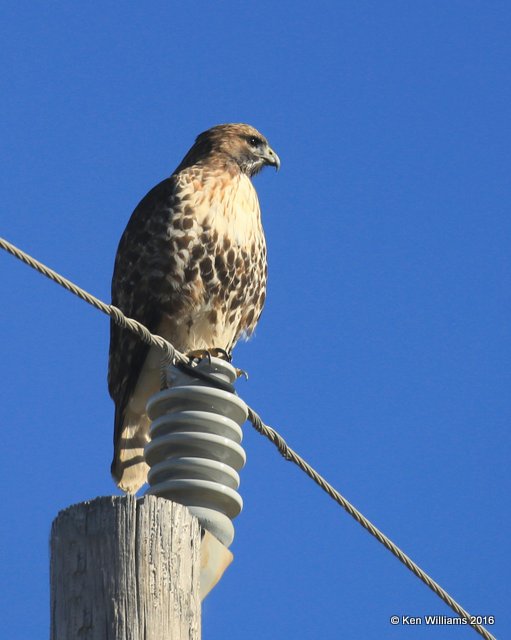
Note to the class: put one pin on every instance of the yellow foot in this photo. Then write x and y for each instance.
(215, 352)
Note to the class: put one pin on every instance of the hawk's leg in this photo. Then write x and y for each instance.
(215, 352)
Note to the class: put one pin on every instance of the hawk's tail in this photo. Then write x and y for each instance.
(129, 469)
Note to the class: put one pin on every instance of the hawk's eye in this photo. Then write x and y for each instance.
(254, 142)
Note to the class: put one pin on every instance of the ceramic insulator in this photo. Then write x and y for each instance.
(195, 452)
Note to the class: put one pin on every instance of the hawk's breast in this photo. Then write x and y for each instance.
(217, 273)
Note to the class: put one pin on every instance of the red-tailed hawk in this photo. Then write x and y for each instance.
(191, 266)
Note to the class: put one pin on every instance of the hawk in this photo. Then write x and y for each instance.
(191, 266)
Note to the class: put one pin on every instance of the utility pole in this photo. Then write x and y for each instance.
(125, 569)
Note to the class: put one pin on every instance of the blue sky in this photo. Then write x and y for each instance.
(383, 352)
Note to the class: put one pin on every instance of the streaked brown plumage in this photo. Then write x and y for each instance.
(191, 266)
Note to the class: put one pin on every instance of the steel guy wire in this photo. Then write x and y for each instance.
(172, 355)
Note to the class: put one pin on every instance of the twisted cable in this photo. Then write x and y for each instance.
(172, 355)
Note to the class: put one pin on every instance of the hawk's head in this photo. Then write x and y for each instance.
(240, 143)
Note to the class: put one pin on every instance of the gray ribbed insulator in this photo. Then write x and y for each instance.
(195, 453)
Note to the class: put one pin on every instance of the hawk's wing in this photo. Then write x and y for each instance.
(140, 265)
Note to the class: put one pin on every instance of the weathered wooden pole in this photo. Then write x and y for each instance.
(125, 569)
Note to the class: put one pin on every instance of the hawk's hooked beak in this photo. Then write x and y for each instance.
(271, 158)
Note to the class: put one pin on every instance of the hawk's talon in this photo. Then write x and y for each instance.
(218, 352)
(214, 352)
(241, 372)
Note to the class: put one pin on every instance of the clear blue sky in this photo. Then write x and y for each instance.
(383, 354)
